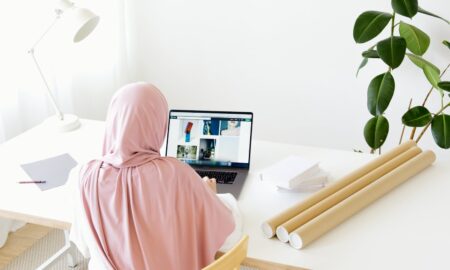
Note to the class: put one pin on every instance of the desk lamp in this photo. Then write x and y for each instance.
(80, 23)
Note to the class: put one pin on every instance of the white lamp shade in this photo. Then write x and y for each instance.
(82, 22)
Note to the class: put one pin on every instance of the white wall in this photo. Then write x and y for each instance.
(292, 63)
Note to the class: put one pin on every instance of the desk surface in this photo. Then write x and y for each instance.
(409, 228)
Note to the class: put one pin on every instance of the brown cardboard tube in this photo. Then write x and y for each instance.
(356, 202)
(286, 228)
(270, 225)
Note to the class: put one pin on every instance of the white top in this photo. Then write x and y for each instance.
(81, 235)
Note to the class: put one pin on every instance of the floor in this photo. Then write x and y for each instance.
(20, 241)
(30, 246)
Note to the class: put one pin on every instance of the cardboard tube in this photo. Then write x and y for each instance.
(348, 207)
(270, 225)
(286, 228)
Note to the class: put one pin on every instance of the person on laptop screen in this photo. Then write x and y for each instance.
(232, 128)
(137, 210)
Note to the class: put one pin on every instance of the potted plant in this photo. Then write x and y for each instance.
(405, 40)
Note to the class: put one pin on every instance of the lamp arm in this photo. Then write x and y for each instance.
(31, 52)
(49, 92)
(58, 16)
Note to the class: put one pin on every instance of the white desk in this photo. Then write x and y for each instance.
(407, 229)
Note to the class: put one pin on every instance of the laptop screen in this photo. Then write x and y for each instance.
(220, 139)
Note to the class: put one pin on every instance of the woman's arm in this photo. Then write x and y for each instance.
(211, 182)
(231, 203)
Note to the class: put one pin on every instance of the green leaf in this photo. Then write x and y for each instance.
(423, 11)
(418, 116)
(446, 43)
(406, 8)
(440, 128)
(363, 64)
(370, 54)
(376, 131)
(416, 40)
(422, 63)
(432, 76)
(380, 92)
(392, 51)
(369, 24)
(444, 85)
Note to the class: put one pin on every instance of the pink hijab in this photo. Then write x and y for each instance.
(146, 211)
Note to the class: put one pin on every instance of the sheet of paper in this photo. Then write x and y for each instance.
(55, 171)
(288, 169)
(315, 183)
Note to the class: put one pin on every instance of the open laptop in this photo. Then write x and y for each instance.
(216, 144)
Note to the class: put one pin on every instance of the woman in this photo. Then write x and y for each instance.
(138, 210)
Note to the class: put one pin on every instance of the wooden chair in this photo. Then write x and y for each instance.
(232, 259)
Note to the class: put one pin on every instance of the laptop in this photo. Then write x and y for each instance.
(215, 144)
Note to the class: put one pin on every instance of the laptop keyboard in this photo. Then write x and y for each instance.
(221, 177)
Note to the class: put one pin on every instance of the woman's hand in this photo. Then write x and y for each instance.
(211, 182)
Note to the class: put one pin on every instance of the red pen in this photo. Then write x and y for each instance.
(32, 182)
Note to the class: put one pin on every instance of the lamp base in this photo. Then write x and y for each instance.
(69, 123)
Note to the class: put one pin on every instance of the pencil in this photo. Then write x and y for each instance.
(32, 182)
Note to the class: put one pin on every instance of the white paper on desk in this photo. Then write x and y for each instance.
(316, 178)
(317, 182)
(303, 188)
(55, 171)
(289, 170)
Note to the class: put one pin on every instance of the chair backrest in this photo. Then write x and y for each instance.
(233, 258)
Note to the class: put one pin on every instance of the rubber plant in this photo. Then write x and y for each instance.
(405, 40)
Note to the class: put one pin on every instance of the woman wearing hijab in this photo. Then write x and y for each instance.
(137, 210)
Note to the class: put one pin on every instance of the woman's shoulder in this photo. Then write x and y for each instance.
(178, 167)
(174, 162)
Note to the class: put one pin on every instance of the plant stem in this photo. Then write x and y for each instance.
(445, 70)
(426, 127)
(372, 151)
(431, 90)
(404, 126)
(392, 31)
(442, 94)
(423, 132)
(413, 131)
(393, 24)
(428, 95)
